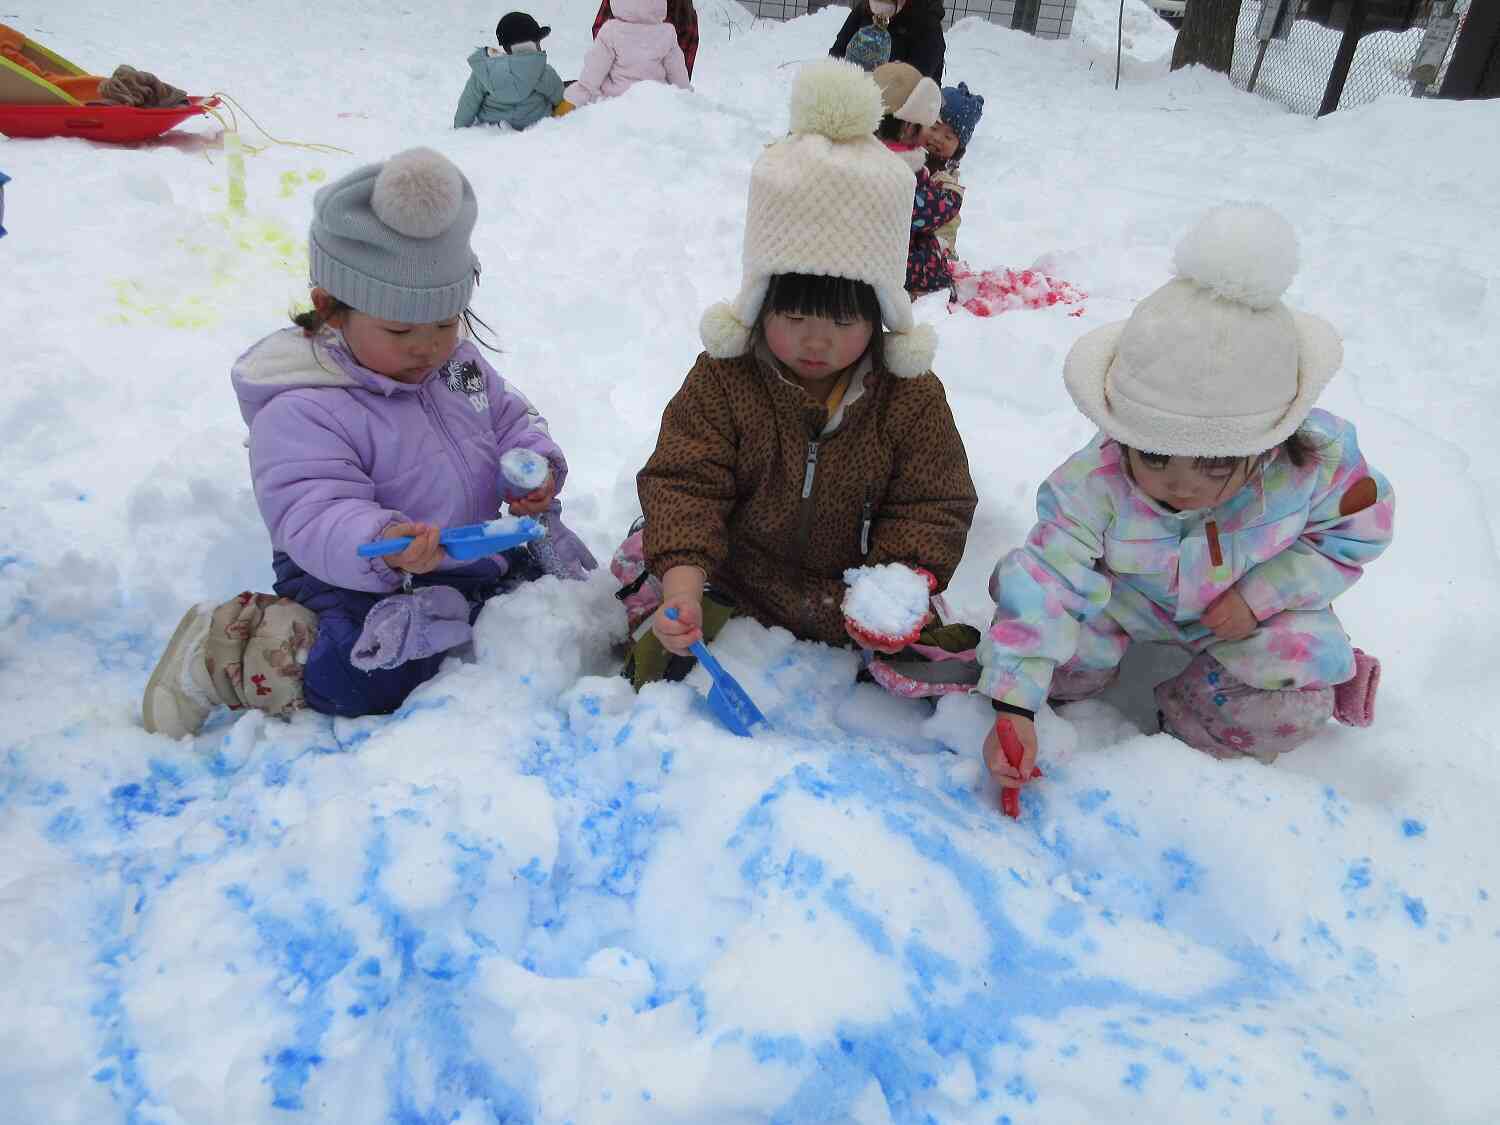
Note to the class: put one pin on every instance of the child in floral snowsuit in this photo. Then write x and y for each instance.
(1216, 511)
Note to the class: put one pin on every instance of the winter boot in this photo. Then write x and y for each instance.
(179, 694)
(247, 652)
(1210, 710)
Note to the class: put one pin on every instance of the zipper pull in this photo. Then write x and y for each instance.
(864, 529)
(812, 469)
(1220, 571)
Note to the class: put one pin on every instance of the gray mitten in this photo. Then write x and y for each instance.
(562, 553)
(427, 621)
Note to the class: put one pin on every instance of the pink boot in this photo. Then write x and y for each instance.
(1210, 710)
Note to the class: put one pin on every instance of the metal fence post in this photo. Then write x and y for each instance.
(1474, 70)
(1353, 25)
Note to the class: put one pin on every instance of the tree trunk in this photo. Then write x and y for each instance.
(1207, 35)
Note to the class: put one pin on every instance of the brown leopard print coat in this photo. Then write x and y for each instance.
(745, 485)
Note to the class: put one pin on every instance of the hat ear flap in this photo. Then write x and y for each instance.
(909, 354)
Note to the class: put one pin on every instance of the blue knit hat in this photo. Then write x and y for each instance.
(392, 240)
(961, 111)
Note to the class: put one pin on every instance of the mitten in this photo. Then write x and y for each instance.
(429, 620)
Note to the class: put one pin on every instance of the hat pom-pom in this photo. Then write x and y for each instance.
(418, 193)
(1242, 252)
(835, 99)
(909, 354)
(724, 335)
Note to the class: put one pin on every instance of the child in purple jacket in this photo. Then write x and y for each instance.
(375, 418)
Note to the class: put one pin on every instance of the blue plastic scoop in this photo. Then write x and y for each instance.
(728, 701)
(469, 541)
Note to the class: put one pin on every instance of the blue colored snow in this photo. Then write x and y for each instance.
(1415, 909)
(1410, 827)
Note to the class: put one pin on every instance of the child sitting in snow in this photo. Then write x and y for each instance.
(806, 441)
(912, 104)
(680, 14)
(513, 86)
(375, 418)
(946, 142)
(637, 45)
(1216, 511)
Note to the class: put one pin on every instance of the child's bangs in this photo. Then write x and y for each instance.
(837, 298)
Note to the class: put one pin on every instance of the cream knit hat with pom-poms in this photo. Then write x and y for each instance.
(1212, 364)
(832, 201)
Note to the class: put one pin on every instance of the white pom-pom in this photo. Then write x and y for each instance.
(724, 335)
(1241, 252)
(835, 99)
(418, 192)
(909, 354)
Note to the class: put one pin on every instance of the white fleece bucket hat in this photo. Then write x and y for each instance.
(832, 201)
(1212, 364)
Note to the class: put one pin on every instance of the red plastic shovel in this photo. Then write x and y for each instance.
(1010, 743)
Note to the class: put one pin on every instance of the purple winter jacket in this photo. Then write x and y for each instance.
(338, 453)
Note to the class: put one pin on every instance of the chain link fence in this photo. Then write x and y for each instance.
(1046, 19)
(1295, 69)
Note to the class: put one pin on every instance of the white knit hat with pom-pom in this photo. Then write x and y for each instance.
(392, 239)
(1212, 364)
(832, 201)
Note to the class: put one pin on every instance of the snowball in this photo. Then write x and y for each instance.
(891, 600)
(1242, 252)
(525, 469)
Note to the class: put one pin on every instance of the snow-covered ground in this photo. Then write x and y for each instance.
(532, 896)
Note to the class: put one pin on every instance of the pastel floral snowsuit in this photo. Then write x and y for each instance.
(1106, 566)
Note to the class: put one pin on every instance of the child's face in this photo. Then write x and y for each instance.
(940, 140)
(1183, 484)
(816, 347)
(404, 352)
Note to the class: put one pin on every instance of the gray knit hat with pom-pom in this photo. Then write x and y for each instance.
(392, 239)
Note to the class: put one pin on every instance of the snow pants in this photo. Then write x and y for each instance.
(331, 684)
(1257, 697)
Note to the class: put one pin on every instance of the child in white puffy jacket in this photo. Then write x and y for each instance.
(637, 45)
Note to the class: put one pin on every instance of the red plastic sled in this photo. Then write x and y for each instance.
(119, 124)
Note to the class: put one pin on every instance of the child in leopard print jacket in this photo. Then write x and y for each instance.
(806, 441)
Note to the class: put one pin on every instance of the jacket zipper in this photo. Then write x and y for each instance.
(438, 424)
(1215, 551)
(804, 520)
(866, 518)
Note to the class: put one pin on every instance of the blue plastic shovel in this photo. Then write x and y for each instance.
(463, 543)
(730, 702)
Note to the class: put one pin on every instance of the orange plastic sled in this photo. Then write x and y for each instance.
(42, 94)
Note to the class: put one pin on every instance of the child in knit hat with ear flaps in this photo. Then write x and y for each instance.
(1216, 511)
(513, 85)
(912, 104)
(375, 418)
(807, 441)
